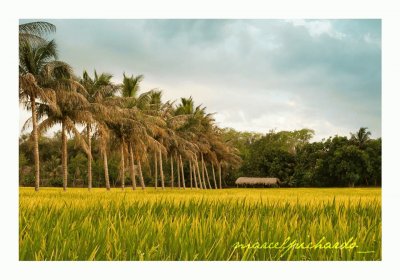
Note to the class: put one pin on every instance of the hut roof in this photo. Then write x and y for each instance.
(256, 181)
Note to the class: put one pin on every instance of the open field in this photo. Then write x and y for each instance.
(200, 224)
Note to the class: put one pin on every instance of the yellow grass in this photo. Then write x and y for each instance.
(178, 224)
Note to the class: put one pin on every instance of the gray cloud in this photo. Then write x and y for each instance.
(255, 74)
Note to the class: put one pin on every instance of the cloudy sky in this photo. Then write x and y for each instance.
(256, 75)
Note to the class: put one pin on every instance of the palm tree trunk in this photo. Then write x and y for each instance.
(178, 172)
(64, 156)
(155, 170)
(122, 165)
(220, 175)
(35, 144)
(172, 172)
(190, 174)
(207, 177)
(74, 179)
(89, 140)
(133, 175)
(183, 175)
(161, 170)
(105, 162)
(150, 171)
(213, 172)
(194, 174)
(141, 175)
(202, 172)
(198, 172)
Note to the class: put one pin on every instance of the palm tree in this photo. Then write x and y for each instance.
(361, 137)
(29, 34)
(38, 68)
(71, 108)
(115, 126)
(225, 153)
(146, 123)
(106, 114)
(177, 146)
(155, 109)
(201, 130)
(192, 131)
(103, 133)
(129, 90)
(97, 89)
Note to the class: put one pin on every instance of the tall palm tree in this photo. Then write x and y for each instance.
(129, 89)
(38, 68)
(103, 134)
(192, 131)
(106, 114)
(146, 122)
(30, 67)
(120, 125)
(155, 108)
(97, 89)
(71, 108)
(173, 136)
(200, 130)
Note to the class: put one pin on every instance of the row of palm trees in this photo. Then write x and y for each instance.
(145, 128)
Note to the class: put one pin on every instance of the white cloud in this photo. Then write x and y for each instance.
(318, 27)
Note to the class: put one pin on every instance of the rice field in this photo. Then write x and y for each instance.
(176, 224)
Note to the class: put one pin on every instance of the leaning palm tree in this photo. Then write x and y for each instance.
(121, 125)
(38, 67)
(200, 130)
(103, 132)
(225, 154)
(155, 109)
(97, 90)
(137, 130)
(192, 131)
(145, 132)
(136, 103)
(146, 123)
(106, 115)
(177, 146)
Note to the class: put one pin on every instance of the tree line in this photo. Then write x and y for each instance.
(287, 155)
(297, 162)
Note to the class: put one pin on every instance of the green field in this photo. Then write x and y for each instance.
(200, 224)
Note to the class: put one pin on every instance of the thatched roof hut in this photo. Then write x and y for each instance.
(257, 181)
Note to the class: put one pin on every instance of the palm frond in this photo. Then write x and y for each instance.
(46, 124)
(70, 126)
(38, 28)
(27, 124)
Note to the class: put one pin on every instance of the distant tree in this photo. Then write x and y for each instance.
(308, 162)
(350, 163)
(361, 137)
(374, 150)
